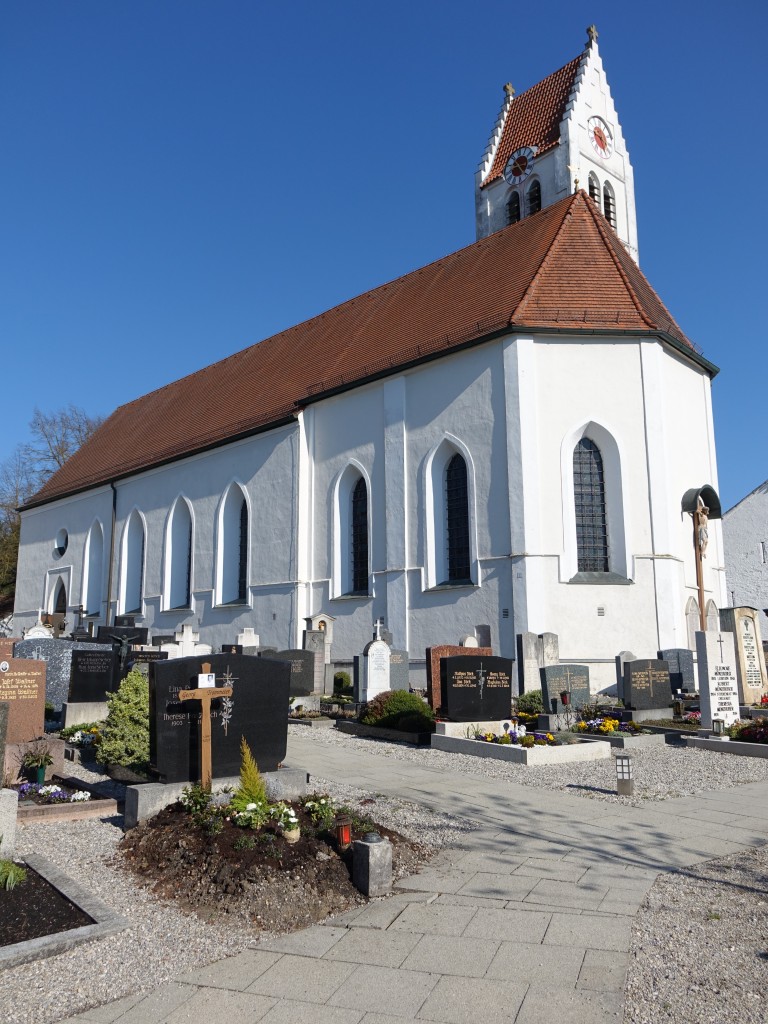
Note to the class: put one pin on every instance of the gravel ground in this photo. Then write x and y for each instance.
(688, 965)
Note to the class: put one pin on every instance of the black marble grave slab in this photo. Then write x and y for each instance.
(646, 684)
(681, 674)
(257, 710)
(58, 656)
(163, 638)
(570, 679)
(231, 648)
(302, 669)
(94, 674)
(476, 688)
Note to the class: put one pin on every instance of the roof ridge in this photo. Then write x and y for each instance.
(535, 278)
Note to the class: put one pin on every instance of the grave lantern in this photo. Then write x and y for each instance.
(624, 781)
(565, 697)
(718, 727)
(343, 833)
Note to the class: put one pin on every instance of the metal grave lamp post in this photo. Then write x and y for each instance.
(718, 728)
(624, 782)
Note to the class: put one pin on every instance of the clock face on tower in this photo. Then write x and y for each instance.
(519, 165)
(600, 136)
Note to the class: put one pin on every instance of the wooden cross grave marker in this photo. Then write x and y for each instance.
(205, 694)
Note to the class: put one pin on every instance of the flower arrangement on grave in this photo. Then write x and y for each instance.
(692, 717)
(37, 755)
(85, 734)
(321, 810)
(518, 737)
(752, 731)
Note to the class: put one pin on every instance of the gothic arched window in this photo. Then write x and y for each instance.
(457, 521)
(178, 555)
(359, 538)
(533, 199)
(233, 547)
(609, 205)
(513, 208)
(594, 188)
(133, 564)
(94, 567)
(589, 504)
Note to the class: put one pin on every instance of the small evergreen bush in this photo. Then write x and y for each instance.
(390, 708)
(252, 788)
(531, 703)
(125, 735)
(341, 682)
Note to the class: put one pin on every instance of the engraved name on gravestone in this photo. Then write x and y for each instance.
(434, 656)
(57, 654)
(375, 669)
(558, 679)
(399, 670)
(476, 689)
(750, 659)
(3, 727)
(646, 684)
(22, 685)
(681, 674)
(718, 685)
(256, 710)
(302, 670)
(95, 673)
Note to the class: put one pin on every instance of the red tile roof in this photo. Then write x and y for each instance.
(534, 116)
(564, 268)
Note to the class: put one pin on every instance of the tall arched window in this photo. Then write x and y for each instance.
(133, 564)
(513, 208)
(594, 188)
(589, 504)
(178, 556)
(60, 598)
(94, 567)
(359, 538)
(533, 199)
(233, 547)
(692, 621)
(457, 521)
(609, 205)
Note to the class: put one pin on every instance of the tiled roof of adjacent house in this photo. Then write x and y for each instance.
(563, 269)
(534, 116)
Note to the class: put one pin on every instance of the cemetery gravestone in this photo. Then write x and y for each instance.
(144, 655)
(621, 660)
(231, 648)
(6, 646)
(483, 634)
(248, 638)
(646, 684)
(434, 655)
(136, 634)
(681, 674)
(94, 675)
(375, 669)
(3, 731)
(528, 662)
(22, 686)
(399, 670)
(750, 659)
(256, 710)
(549, 649)
(314, 641)
(302, 664)
(57, 654)
(476, 689)
(718, 685)
(159, 639)
(570, 679)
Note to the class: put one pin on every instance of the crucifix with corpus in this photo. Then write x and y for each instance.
(206, 691)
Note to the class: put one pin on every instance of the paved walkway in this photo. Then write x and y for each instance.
(527, 921)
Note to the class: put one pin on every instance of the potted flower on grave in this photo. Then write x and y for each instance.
(35, 760)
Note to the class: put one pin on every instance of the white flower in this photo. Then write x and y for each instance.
(250, 807)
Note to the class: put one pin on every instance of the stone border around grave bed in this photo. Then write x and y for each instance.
(313, 723)
(101, 807)
(595, 750)
(416, 739)
(728, 746)
(105, 921)
(620, 740)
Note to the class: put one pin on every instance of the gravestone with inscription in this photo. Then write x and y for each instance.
(3, 727)
(476, 688)
(375, 669)
(434, 655)
(718, 685)
(314, 641)
(681, 673)
(107, 634)
(231, 648)
(22, 686)
(256, 710)
(527, 662)
(399, 670)
(620, 661)
(302, 670)
(559, 679)
(95, 673)
(646, 684)
(57, 654)
(750, 659)
(6, 646)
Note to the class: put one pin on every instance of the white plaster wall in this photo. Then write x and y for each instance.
(745, 535)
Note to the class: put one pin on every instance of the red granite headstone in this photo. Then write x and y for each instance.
(434, 654)
(22, 685)
(6, 646)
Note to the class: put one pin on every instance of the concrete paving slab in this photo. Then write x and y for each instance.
(544, 1004)
(108, 1012)
(558, 893)
(378, 948)
(469, 1000)
(496, 886)
(594, 933)
(501, 861)
(435, 919)
(512, 925)
(291, 1011)
(381, 913)
(603, 972)
(311, 942)
(542, 908)
(444, 954)
(533, 964)
(302, 978)
(236, 972)
(556, 869)
(453, 899)
(341, 920)
(627, 881)
(436, 881)
(220, 1004)
(372, 989)
(158, 1005)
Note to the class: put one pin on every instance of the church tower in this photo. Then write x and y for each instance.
(560, 135)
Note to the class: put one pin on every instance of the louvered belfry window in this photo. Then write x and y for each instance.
(360, 538)
(242, 565)
(457, 520)
(589, 501)
(513, 209)
(533, 199)
(594, 189)
(609, 206)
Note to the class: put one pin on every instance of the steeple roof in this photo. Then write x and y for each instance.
(563, 270)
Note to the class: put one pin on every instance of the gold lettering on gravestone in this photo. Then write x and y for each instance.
(19, 684)
(464, 679)
(641, 680)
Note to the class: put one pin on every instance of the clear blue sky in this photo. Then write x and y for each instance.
(182, 178)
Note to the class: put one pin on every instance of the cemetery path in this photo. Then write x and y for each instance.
(528, 920)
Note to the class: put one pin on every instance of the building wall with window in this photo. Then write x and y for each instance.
(745, 532)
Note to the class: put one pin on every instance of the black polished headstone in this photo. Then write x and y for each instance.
(646, 684)
(302, 670)
(476, 688)
(58, 657)
(399, 670)
(95, 673)
(162, 638)
(127, 621)
(256, 710)
(681, 674)
(231, 648)
(137, 634)
(558, 679)
(144, 657)
(483, 634)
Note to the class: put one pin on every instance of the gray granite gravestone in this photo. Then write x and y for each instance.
(58, 656)
(718, 684)
(559, 679)
(549, 649)
(681, 674)
(528, 677)
(744, 623)
(314, 640)
(399, 670)
(375, 669)
(476, 688)
(621, 659)
(302, 670)
(646, 684)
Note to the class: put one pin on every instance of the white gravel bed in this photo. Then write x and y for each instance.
(660, 773)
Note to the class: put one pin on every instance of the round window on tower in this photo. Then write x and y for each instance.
(62, 540)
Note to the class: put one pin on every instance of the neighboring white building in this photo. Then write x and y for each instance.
(745, 536)
(501, 438)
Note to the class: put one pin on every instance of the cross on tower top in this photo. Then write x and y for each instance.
(509, 90)
(592, 34)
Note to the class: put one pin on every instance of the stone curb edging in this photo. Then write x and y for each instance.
(105, 921)
(729, 746)
(417, 739)
(313, 723)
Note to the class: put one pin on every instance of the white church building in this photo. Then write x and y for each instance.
(501, 438)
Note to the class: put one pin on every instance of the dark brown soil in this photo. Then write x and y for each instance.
(34, 908)
(275, 886)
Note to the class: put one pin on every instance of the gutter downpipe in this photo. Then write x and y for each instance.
(111, 549)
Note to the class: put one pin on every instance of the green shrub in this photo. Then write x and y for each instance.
(528, 740)
(341, 682)
(125, 736)
(252, 788)
(389, 709)
(11, 874)
(531, 703)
